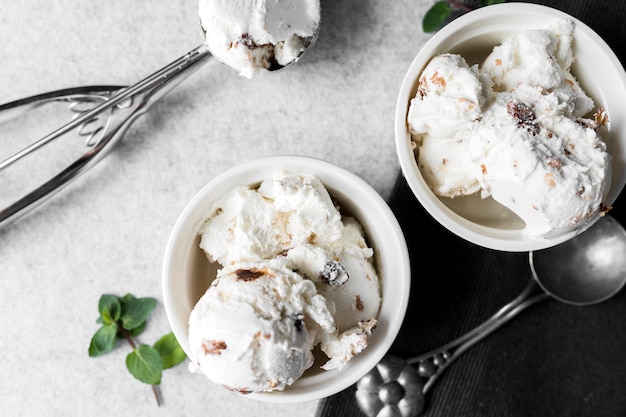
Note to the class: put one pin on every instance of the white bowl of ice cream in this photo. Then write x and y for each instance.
(286, 271)
(503, 183)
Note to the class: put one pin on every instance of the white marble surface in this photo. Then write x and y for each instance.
(106, 232)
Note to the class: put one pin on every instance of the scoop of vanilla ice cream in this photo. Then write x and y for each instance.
(349, 280)
(285, 211)
(450, 98)
(304, 209)
(242, 229)
(344, 274)
(541, 58)
(253, 35)
(527, 144)
(255, 327)
(450, 95)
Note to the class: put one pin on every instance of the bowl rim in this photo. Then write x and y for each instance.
(393, 306)
(485, 236)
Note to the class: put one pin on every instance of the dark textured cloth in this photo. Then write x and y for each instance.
(552, 360)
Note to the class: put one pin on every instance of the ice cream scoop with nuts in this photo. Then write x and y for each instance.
(518, 128)
(256, 35)
(295, 274)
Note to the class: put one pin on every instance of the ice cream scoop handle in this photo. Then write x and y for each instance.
(432, 364)
(120, 106)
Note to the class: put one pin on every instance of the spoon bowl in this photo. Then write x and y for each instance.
(588, 269)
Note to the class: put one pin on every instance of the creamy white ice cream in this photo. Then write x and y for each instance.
(256, 35)
(255, 327)
(514, 129)
(307, 261)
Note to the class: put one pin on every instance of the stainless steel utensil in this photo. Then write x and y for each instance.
(113, 109)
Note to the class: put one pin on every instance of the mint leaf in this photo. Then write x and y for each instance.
(125, 318)
(110, 308)
(436, 16)
(144, 363)
(103, 340)
(137, 330)
(135, 311)
(170, 351)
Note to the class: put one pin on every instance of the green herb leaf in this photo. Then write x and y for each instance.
(170, 351)
(103, 340)
(144, 363)
(135, 311)
(125, 318)
(127, 298)
(110, 308)
(436, 16)
(137, 330)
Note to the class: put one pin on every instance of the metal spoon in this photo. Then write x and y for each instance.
(102, 114)
(588, 269)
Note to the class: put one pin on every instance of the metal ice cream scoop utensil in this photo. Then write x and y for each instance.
(588, 269)
(102, 114)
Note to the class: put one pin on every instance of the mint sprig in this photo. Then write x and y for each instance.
(437, 15)
(125, 318)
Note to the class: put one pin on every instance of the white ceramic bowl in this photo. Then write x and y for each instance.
(473, 35)
(187, 272)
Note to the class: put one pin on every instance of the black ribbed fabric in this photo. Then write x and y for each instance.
(552, 360)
